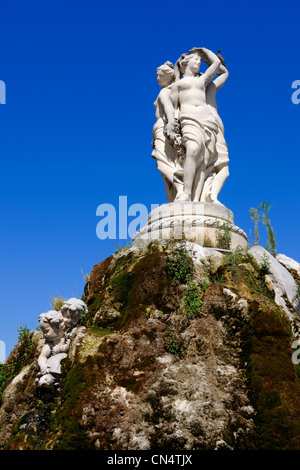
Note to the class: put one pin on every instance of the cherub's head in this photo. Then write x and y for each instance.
(51, 324)
(71, 312)
(165, 74)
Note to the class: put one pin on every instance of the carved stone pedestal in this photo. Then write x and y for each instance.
(203, 223)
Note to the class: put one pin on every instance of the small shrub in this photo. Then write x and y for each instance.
(23, 332)
(223, 235)
(265, 264)
(234, 258)
(271, 243)
(174, 346)
(192, 300)
(83, 319)
(255, 217)
(218, 279)
(205, 282)
(57, 302)
(180, 265)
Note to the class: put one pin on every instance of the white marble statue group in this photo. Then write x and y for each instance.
(57, 328)
(189, 144)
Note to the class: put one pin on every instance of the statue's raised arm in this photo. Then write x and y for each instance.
(212, 61)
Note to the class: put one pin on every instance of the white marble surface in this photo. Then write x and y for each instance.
(192, 221)
(188, 136)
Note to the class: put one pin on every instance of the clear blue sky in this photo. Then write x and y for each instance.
(77, 128)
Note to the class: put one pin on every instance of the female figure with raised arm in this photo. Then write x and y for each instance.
(198, 125)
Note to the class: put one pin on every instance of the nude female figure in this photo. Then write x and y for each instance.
(198, 124)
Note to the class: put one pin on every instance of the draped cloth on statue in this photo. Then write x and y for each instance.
(220, 160)
(199, 125)
(221, 146)
(166, 159)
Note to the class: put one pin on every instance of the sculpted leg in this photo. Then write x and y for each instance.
(199, 182)
(218, 183)
(193, 152)
(201, 175)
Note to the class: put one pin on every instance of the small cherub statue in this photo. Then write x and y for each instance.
(51, 324)
(57, 328)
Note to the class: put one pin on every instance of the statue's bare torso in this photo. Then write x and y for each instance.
(191, 92)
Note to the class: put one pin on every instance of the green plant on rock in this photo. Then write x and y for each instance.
(83, 321)
(265, 264)
(7, 373)
(255, 217)
(204, 283)
(86, 276)
(180, 265)
(271, 378)
(57, 302)
(234, 258)
(120, 248)
(2, 379)
(223, 235)
(160, 315)
(174, 346)
(218, 279)
(148, 312)
(23, 332)
(192, 300)
(271, 243)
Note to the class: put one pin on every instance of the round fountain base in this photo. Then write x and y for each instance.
(204, 223)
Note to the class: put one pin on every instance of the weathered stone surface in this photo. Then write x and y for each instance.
(290, 264)
(282, 281)
(198, 358)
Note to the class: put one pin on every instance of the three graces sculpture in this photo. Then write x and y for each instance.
(189, 145)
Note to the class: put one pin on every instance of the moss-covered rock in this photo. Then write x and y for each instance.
(176, 353)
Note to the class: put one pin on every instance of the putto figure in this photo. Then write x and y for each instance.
(189, 143)
(57, 328)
